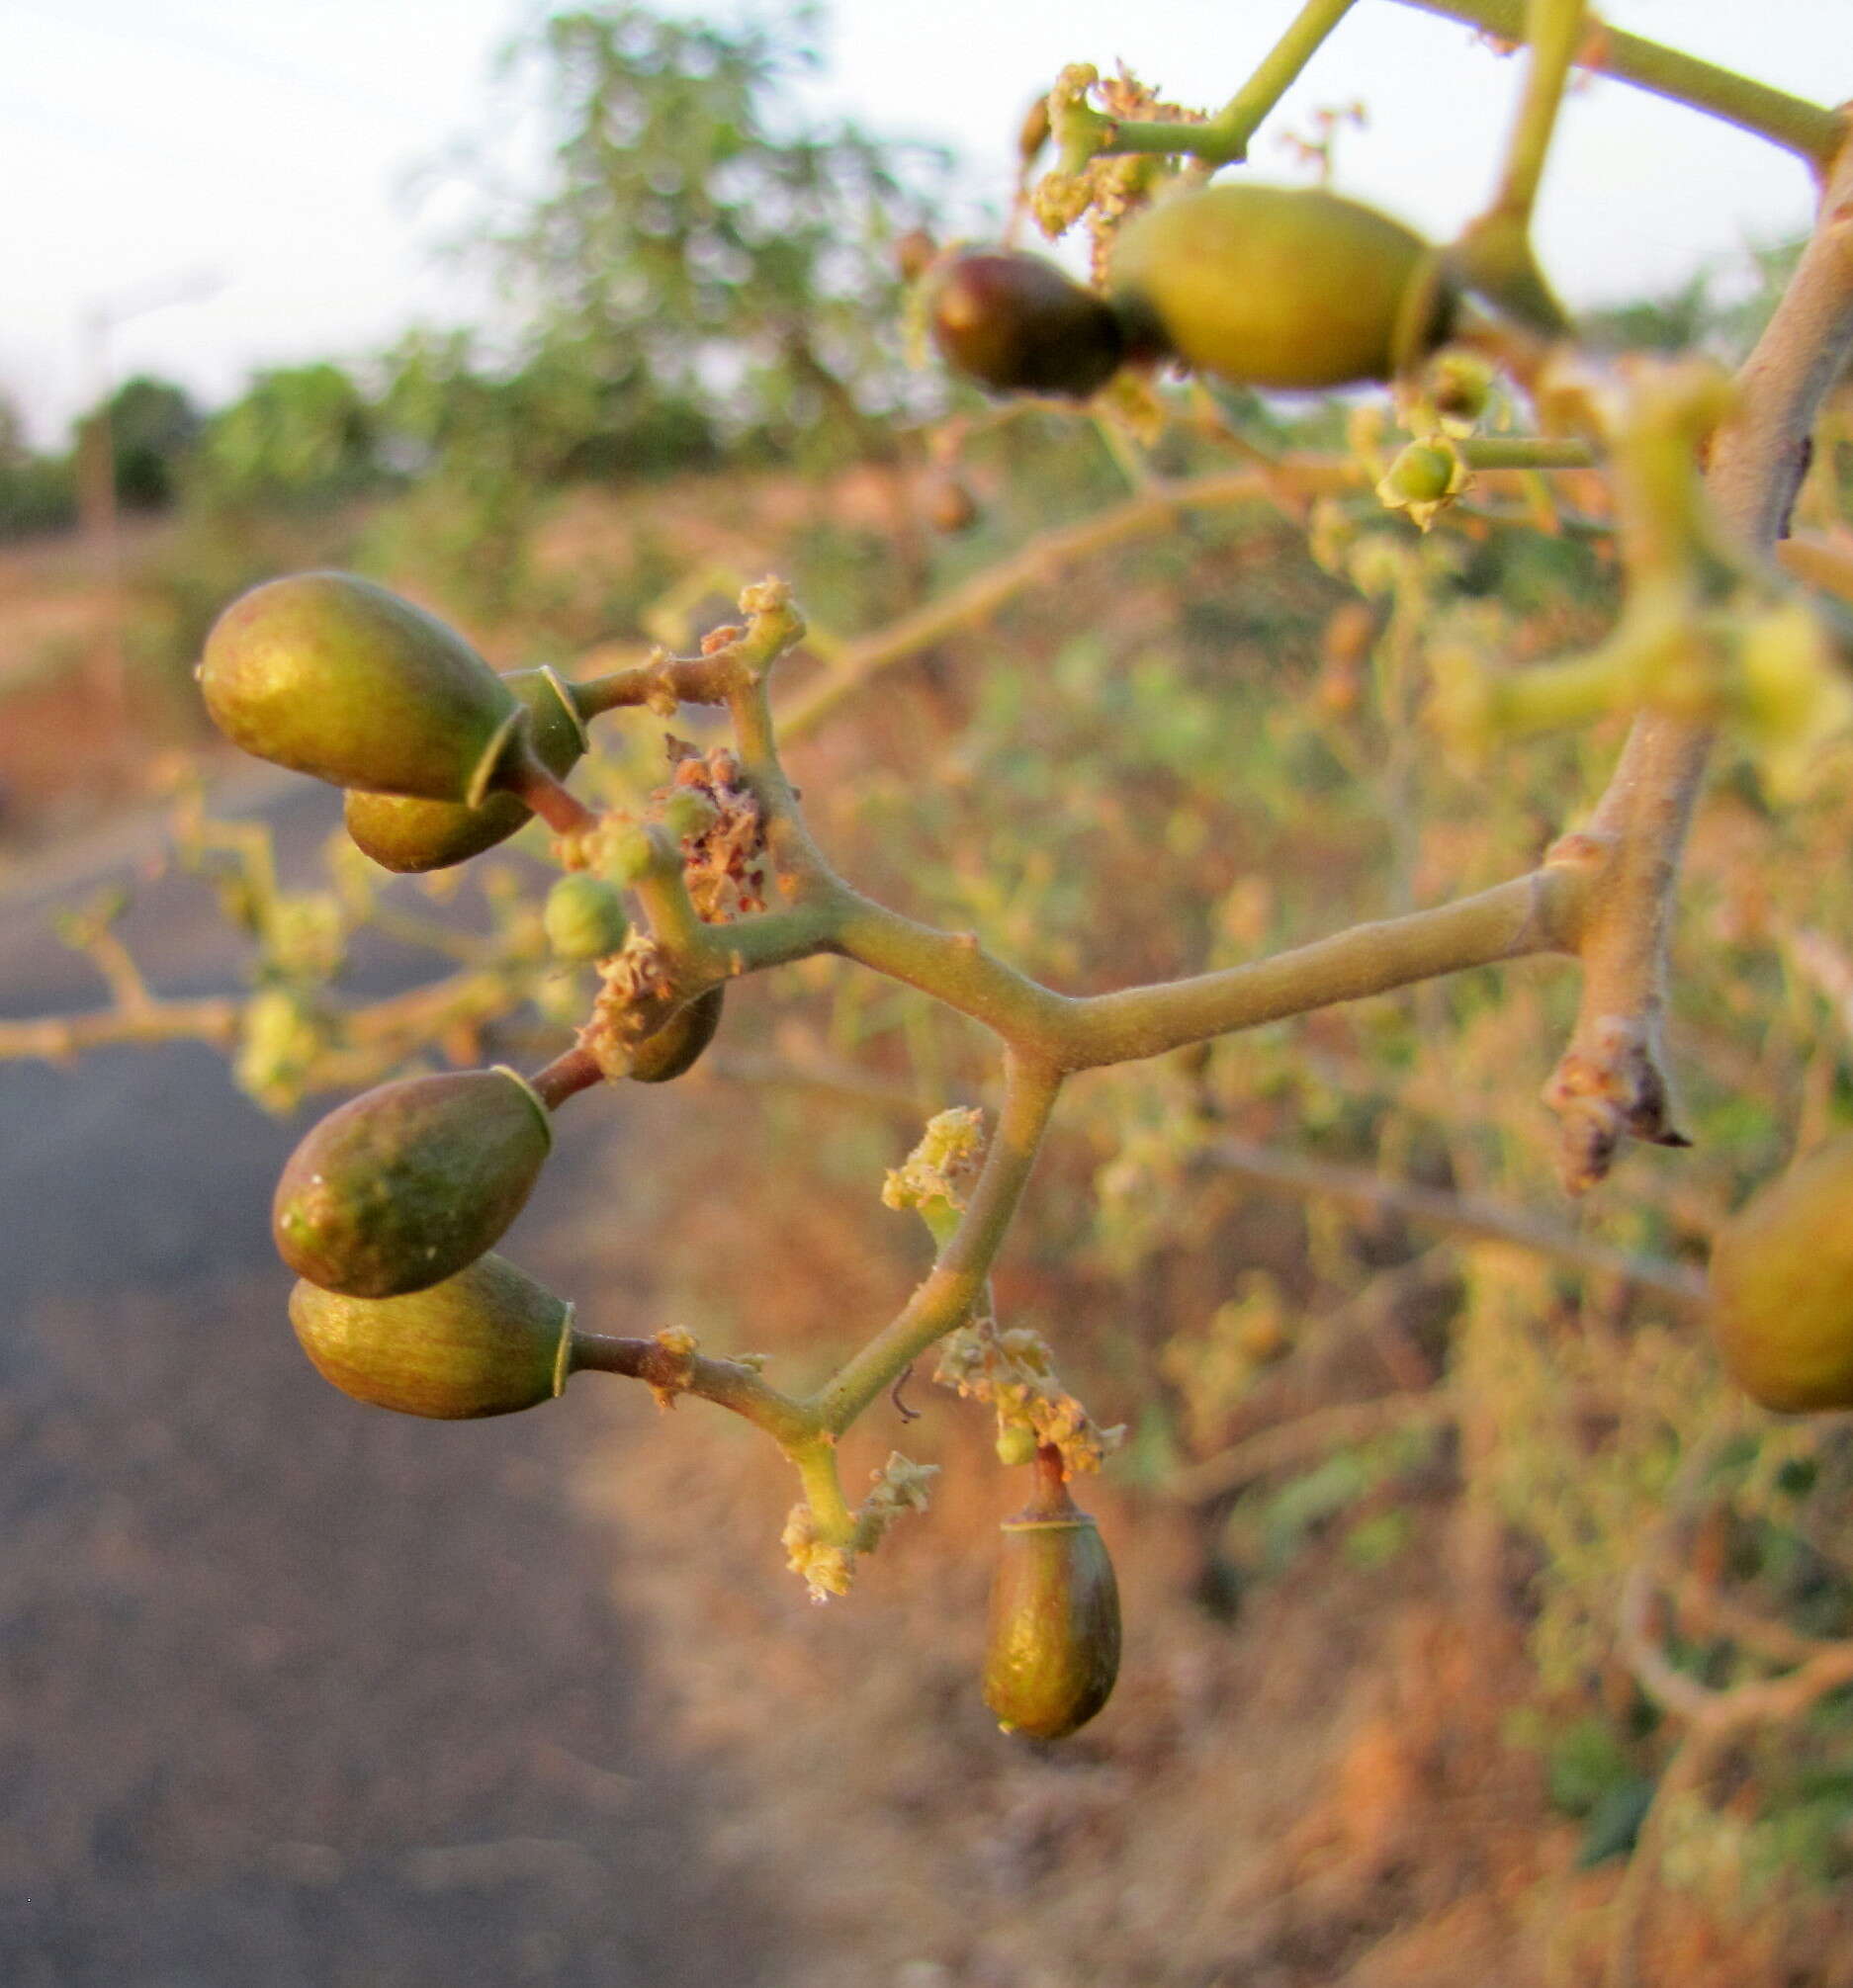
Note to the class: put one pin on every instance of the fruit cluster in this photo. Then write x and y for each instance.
(1285, 288)
(389, 1210)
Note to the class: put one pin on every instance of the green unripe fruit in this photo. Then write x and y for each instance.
(680, 1040)
(1053, 1647)
(489, 1341)
(1278, 286)
(1781, 1300)
(585, 918)
(405, 1184)
(335, 676)
(406, 835)
(1016, 323)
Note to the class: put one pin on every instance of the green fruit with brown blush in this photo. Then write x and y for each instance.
(1053, 1652)
(330, 674)
(1018, 324)
(674, 1047)
(489, 1341)
(405, 1184)
(410, 836)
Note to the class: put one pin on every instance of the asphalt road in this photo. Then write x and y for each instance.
(292, 1693)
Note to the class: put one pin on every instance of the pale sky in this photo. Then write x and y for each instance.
(267, 149)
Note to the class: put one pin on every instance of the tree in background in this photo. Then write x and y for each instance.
(698, 237)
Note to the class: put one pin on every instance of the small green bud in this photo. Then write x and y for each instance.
(489, 1341)
(279, 1041)
(409, 835)
(1460, 386)
(304, 935)
(1053, 1649)
(627, 852)
(680, 1040)
(1017, 1444)
(1019, 324)
(1423, 474)
(585, 918)
(335, 676)
(405, 1184)
(688, 814)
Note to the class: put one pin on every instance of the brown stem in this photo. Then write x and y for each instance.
(1308, 1437)
(1718, 1720)
(536, 785)
(1612, 1081)
(1042, 559)
(570, 1072)
(729, 1384)
(1358, 1188)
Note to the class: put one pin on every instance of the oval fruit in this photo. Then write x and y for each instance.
(403, 1186)
(410, 836)
(680, 1040)
(1018, 324)
(1053, 1652)
(1780, 1298)
(330, 674)
(489, 1341)
(1278, 286)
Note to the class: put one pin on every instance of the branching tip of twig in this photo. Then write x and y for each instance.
(1610, 1084)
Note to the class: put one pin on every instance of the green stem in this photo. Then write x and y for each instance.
(815, 1456)
(1523, 452)
(958, 1278)
(1552, 30)
(1810, 131)
(663, 896)
(1532, 914)
(1223, 140)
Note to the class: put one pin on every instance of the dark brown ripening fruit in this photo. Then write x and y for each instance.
(1016, 323)
(680, 1040)
(335, 676)
(402, 1187)
(1780, 1298)
(1053, 1648)
(489, 1341)
(1278, 286)
(406, 835)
